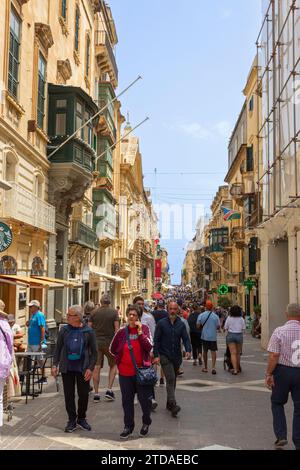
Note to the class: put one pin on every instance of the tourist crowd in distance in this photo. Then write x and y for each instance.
(147, 342)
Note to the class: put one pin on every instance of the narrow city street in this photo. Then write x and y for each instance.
(219, 411)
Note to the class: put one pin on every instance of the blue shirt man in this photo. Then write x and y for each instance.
(37, 325)
(211, 324)
(209, 332)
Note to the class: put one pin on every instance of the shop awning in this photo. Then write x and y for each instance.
(106, 276)
(63, 282)
(31, 282)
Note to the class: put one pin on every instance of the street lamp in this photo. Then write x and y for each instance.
(4, 185)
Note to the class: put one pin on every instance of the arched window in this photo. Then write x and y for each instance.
(11, 167)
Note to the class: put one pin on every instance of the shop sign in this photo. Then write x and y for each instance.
(6, 237)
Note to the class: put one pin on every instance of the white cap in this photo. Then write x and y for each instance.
(34, 303)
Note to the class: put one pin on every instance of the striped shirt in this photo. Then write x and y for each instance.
(286, 341)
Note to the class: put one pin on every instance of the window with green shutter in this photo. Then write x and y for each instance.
(14, 54)
(88, 56)
(77, 28)
(41, 92)
(64, 9)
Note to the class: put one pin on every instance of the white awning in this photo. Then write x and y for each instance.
(94, 272)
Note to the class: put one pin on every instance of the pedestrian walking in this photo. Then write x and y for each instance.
(6, 353)
(283, 375)
(195, 334)
(158, 314)
(89, 306)
(75, 357)
(235, 326)
(37, 334)
(105, 322)
(148, 320)
(167, 351)
(133, 337)
(208, 322)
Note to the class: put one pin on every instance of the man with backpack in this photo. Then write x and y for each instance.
(75, 357)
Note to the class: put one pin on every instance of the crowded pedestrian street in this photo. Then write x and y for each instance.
(218, 412)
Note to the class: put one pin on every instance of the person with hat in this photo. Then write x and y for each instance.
(36, 333)
(106, 322)
(209, 323)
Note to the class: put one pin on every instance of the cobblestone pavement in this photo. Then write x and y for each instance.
(221, 411)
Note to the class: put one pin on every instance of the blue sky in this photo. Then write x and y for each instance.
(194, 57)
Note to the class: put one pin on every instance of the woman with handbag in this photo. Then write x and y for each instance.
(131, 347)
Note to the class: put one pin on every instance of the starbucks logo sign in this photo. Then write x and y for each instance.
(5, 237)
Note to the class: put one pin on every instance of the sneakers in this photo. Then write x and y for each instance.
(180, 372)
(83, 424)
(162, 381)
(110, 396)
(144, 431)
(154, 404)
(42, 380)
(71, 426)
(280, 443)
(126, 433)
(168, 406)
(175, 410)
(96, 398)
(195, 363)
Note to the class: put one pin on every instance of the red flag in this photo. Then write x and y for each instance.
(158, 268)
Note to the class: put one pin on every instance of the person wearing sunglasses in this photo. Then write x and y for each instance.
(75, 357)
(141, 344)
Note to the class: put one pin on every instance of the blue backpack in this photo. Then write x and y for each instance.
(75, 344)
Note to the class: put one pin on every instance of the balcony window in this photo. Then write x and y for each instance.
(41, 91)
(14, 54)
(218, 239)
(88, 129)
(79, 119)
(77, 29)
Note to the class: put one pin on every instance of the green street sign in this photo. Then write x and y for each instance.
(223, 289)
(250, 283)
(6, 237)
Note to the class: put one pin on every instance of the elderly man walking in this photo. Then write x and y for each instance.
(283, 375)
(75, 357)
(169, 333)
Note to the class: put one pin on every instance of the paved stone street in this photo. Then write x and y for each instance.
(222, 410)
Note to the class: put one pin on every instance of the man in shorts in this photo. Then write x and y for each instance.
(210, 324)
(105, 321)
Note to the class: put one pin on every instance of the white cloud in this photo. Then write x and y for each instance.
(223, 128)
(225, 13)
(196, 130)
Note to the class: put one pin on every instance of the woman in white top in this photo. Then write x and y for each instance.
(235, 326)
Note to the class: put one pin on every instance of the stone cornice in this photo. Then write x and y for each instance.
(44, 34)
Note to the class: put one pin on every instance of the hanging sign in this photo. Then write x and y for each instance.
(6, 237)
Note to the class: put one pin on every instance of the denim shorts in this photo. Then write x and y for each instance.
(234, 338)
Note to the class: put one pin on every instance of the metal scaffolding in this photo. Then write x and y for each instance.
(278, 49)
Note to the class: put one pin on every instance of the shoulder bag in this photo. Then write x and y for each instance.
(202, 326)
(144, 375)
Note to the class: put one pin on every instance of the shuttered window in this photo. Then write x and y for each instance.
(14, 54)
(41, 91)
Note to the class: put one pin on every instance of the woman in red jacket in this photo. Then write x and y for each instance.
(141, 343)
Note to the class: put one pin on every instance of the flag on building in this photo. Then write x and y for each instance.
(230, 214)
